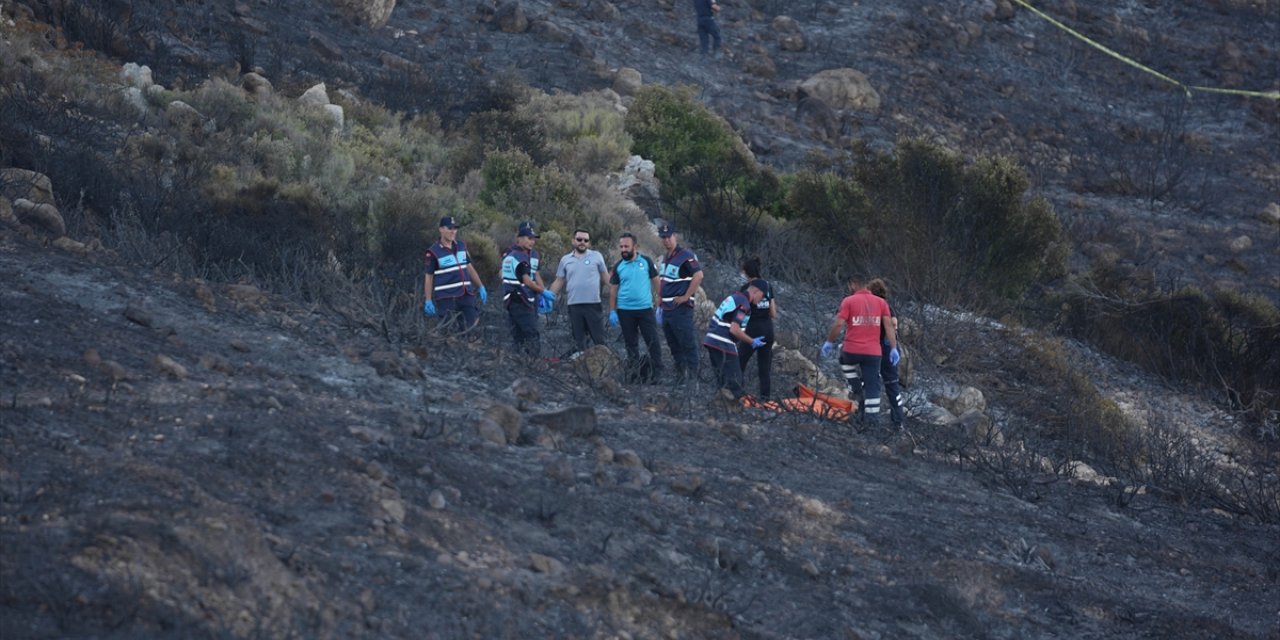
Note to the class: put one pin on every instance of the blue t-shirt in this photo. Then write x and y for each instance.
(635, 283)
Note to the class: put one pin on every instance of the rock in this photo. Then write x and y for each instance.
(43, 216)
(327, 48)
(246, 294)
(602, 10)
(184, 117)
(843, 88)
(18, 184)
(545, 564)
(597, 364)
(316, 96)
(560, 470)
(133, 96)
(256, 85)
(6, 212)
(792, 42)
(1270, 214)
(135, 75)
(790, 364)
(931, 413)
(508, 418)
(360, 432)
(138, 316)
(397, 63)
(239, 345)
(760, 65)
(114, 371)
(550, 31)
(490, 431)
(687, 484)
(574, 421)
(394, 508)
(525, 390)
(627, 81)
(71, 246)
(635, 477)
(214, 362)
(371, 13)
(335, 114)
(169, 366)
(628, 458)
(510, 18)
(958, 399)
(204, 294)
(1240, 244)
(1004, 10)
(436, 500)
(977, 426)
(785, 24)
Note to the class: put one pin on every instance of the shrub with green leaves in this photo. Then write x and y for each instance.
(584, 133)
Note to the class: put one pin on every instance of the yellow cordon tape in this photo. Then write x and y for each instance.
(1188, 88)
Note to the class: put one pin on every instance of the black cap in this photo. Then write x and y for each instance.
(761, 284)
(665, 230)
(526, 230)
(449, 221)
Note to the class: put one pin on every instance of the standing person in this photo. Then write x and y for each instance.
(888, 365)
(861, 316)
(726, 329)
(522, 290)
(681, 276)
(708, 29)
(450, 282)
(759, 325)
(633, 295)
(582, 271)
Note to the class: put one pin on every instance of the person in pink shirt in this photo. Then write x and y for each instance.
(862, 315)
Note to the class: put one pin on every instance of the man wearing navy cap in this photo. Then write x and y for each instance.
(450, 282)
(681, 275)
(727, 328)
(522, 290)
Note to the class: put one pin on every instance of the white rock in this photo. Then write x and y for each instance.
(335, 114)
(136, 75)
(316, 95)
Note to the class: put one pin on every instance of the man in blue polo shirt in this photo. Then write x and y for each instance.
(450, 282)
(681, 276)
(634, 288)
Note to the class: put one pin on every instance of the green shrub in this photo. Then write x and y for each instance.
(584, 133)
(498, 131)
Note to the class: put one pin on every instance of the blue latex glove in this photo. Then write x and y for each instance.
(544, 307)
(658, 315)
(429, 308)
(894, 356)
(757, 342)
(484, 295)
(827, 348)
(613, 318)
(550, 297)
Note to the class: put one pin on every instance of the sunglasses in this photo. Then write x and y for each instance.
(582, 239)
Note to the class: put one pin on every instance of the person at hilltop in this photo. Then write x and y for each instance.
(522, 290)
(634, 293)
(759, 325)
(708, 28)
(582, 273)
(888, 363)
(450, 283)
(681, 276)
(727, 328)
(861, 317)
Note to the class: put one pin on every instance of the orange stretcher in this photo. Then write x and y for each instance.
(822, 405)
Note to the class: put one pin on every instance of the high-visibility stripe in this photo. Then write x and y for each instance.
(451, 286)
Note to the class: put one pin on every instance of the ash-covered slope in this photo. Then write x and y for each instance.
(188, 460)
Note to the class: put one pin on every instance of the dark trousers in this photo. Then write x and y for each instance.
(728, 373)
(677, 326)
(708, 29)
(892, 387)
(634, 324)
(583, 319)
(764, 355)
(458, 313)
(862, 372)
(524, 328)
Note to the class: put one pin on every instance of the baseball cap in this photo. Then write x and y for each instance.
(665, 230)
(526, 229)
(759, 283)
(449, 221)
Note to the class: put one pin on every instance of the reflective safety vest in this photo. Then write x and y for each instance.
(673, 284)
(734, 309)
(450, 279)
(512, 288)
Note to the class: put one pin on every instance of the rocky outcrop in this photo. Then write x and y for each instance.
(41, 216)
(627, 81)
(370, 13)
(510, 18)
(23, 183)
(843, 89)
(637, 182)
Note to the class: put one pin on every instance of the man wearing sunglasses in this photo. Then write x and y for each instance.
(582, 272)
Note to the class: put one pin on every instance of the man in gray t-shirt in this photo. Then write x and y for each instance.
(585, 272)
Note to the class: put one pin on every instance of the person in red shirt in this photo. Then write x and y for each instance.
(862, 315)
